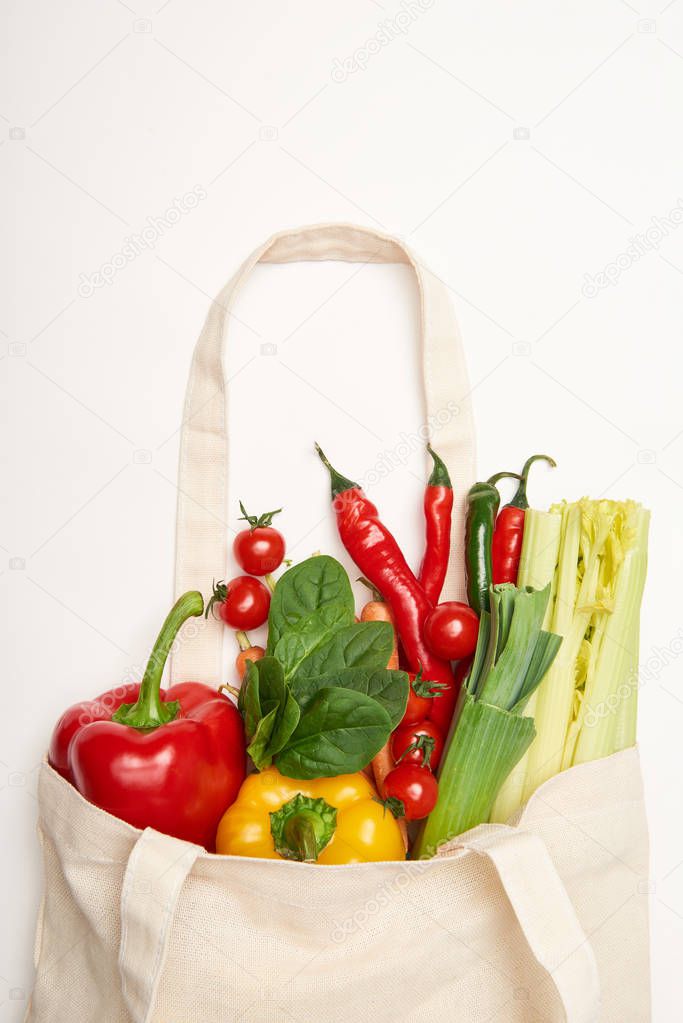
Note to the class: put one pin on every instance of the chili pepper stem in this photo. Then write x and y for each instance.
(339, 483)
(520, 498)
(439, 476)
(150, 711)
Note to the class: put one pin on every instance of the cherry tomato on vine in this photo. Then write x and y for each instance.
(421, 694)
(415, 787)
(420, 743)
(243, 603)
(451, 630)
(261, 548)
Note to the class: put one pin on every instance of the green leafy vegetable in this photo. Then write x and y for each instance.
(305, 588)
(258, 747)
(339, 732)
(308, 634)
(388, 688)
(364, 645)
(269, 703)
(321, 702)
(249, 702)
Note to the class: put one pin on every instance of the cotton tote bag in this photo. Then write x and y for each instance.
(543, 920)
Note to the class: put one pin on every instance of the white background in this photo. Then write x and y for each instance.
(517, 147)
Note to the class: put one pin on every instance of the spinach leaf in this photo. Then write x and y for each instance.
(388, 688)
(278, 710)
(308, 633)
(306, 588)
(258, 747)
(365, 645)
(249, 703)
(287, 720)
(272, 687)
(339, 733)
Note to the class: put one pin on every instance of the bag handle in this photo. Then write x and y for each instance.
(545, 914)
(201, 534)
(155, 873)
(158, 866)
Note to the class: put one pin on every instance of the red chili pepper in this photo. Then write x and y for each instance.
(172, 760)
(379, 557)
(506, 545)
(438, 505)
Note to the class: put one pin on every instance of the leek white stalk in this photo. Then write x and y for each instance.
(491, 732)
(537, 564)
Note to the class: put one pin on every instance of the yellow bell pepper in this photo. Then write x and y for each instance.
(327, 820)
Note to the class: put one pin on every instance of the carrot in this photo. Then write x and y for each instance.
(377, 610)
(247, 653)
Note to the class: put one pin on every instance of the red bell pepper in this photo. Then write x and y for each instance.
(172, 760)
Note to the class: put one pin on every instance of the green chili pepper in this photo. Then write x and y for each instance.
(483, 501)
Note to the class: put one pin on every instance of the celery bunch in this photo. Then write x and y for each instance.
(491, 732)
(586, 706)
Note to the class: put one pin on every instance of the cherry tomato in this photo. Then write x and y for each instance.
(261, 548)
(421, 696)
(406, 734)
(451, 630)
(416, 787)
(243, 603)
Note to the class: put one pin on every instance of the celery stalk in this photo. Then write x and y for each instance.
(554, 696)
(537, 566)
(612, 681)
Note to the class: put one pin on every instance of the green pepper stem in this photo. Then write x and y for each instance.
(339, 483)
(150, 710)
(520, 498)
(302, 827)
(492, 480)
(300, 833)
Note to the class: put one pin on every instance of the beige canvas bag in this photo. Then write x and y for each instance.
(543, 921)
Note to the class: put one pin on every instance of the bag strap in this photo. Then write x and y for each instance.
(155, 873)
(544, 913)
(201, 536)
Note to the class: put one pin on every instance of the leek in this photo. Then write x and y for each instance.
(491, 732)
(537, 565)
